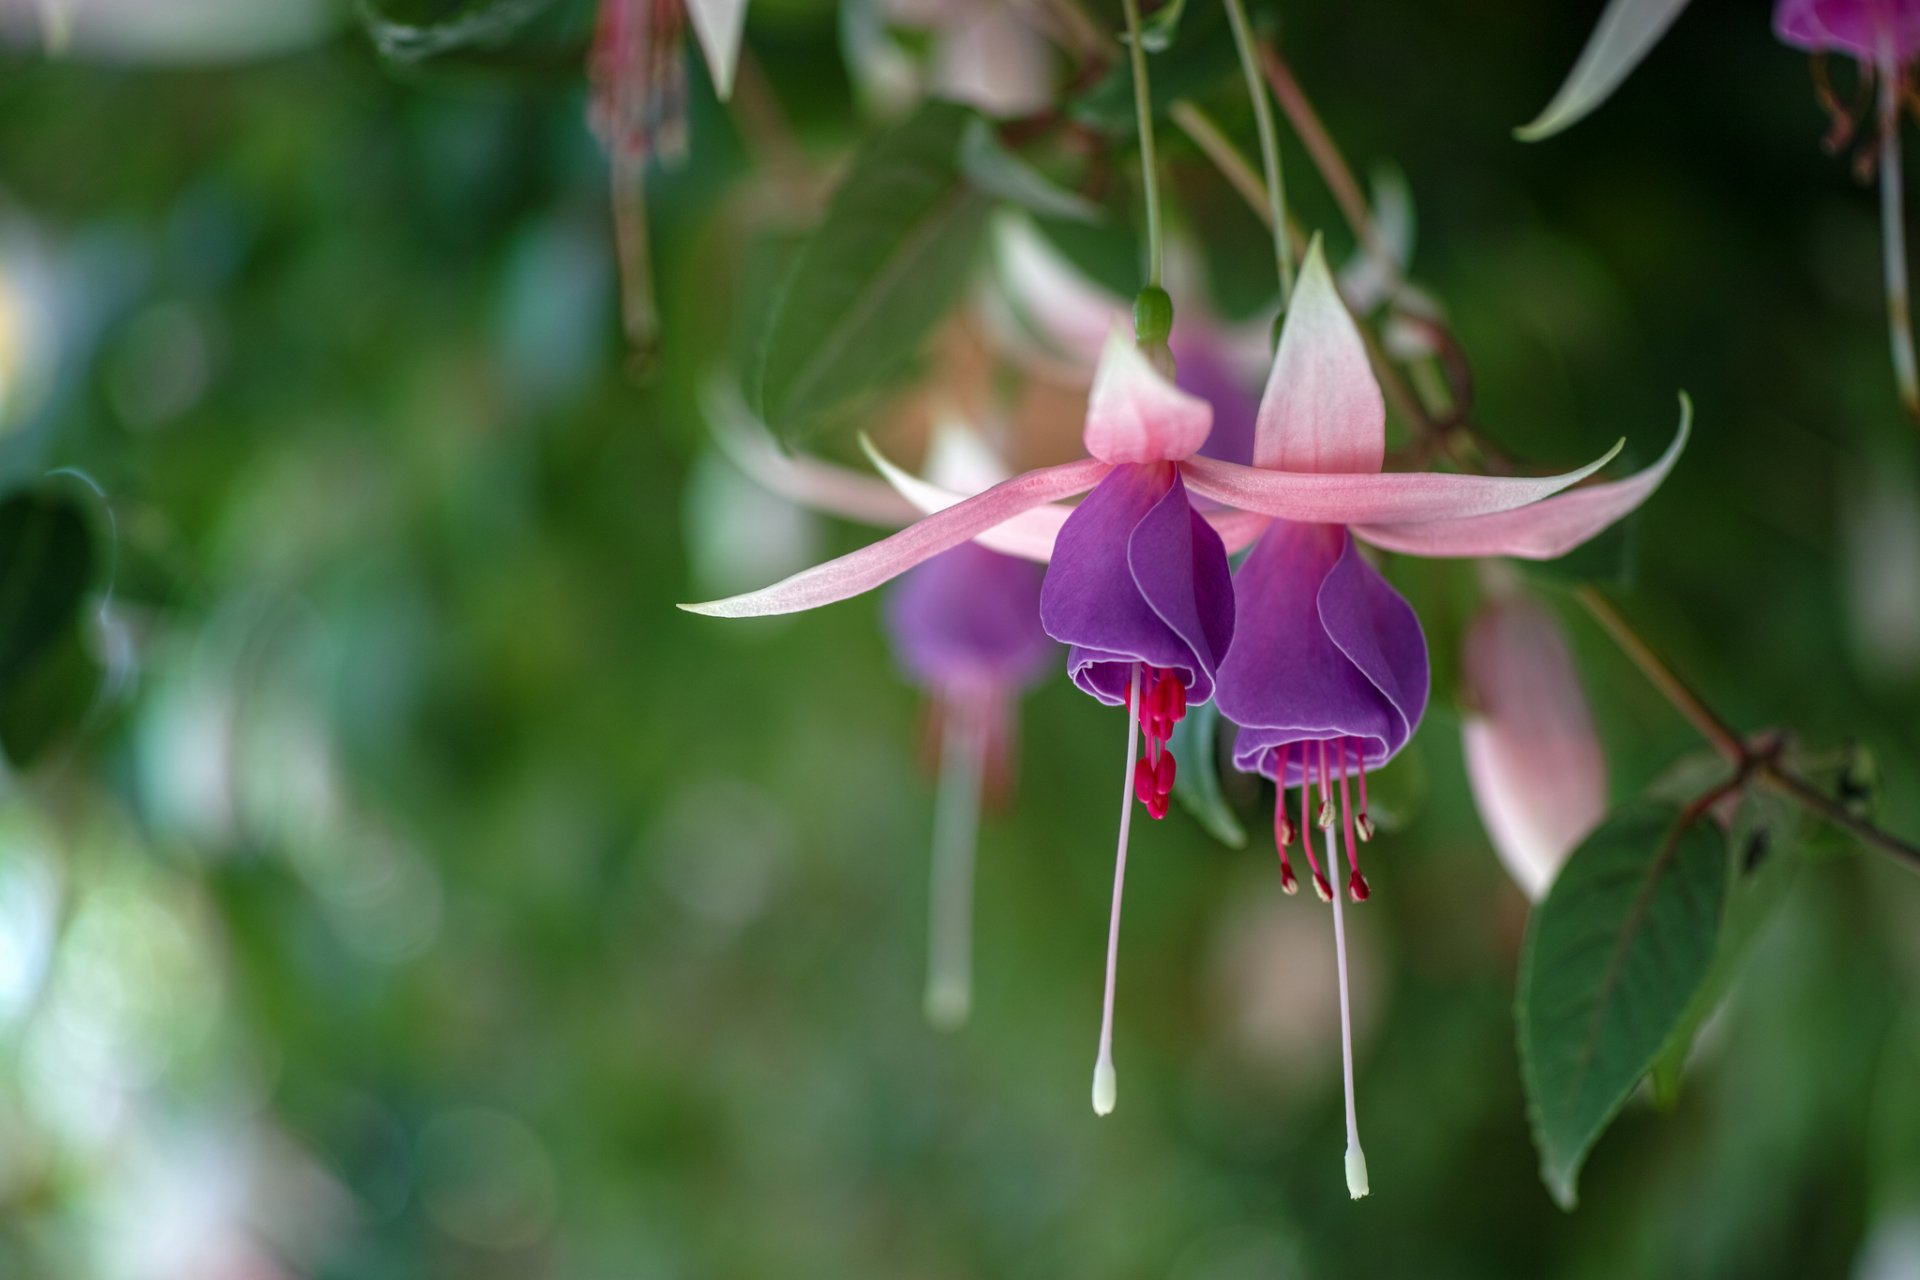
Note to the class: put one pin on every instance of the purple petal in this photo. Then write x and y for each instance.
(1138, 576)
(969, 617)
(1855, 27)
(1324, 649)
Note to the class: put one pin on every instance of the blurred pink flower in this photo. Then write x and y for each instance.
(1539, 776)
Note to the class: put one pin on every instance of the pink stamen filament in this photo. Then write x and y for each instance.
(1321, 885)
(1363, 823)
(1282, 829)
(1326, 793)
(1356, 883)
(1104, 1086)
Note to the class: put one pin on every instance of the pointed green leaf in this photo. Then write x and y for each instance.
(993, 168)
(1766, 839)
(1162, 27)
(47, 680)
(877, 275)
(1612, 960)
(1196, 782)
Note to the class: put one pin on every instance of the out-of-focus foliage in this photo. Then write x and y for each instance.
(415, 892)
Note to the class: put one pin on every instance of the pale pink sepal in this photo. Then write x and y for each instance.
(1322, 410)
(1624, 34)
(870, 566)
(1238, 530)
(1538, 773)
(718, 25)
(1542, 531)
(1393, 497)
(804, 481)
(1135, 415)
(1029, 535)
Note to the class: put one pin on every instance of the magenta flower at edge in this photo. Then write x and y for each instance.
(1328, 675)
(1137, 580)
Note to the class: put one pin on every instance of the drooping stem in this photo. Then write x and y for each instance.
(1105, 1089)
(1702, 717)
(1809, 797)
(1276, 191)
(956, 825)
(1763, 766)
(630, 235)
(1894, 239)
(1219, 149)
(1332, 166)
(1143, 112)
(1356, 1159)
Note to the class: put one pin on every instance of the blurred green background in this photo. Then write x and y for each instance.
(424, 895)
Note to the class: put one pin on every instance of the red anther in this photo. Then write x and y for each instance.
(1156, 807)
(1283, 831)
(1321, 887)
(1163, 774)
(1143, 782)
(1357, 887)
(1363, 824)
(1176, 700)
(1289, 883)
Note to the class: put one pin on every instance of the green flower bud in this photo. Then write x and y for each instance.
(1152, 317)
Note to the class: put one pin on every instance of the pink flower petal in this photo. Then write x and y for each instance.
(718, 24)
(870, 566)
(1539, 532)
(1238, 530)
(1388, 497)
(1322, 409)
(1624, 34)
(1538, 773)
(1135, 415)
(1029, 535)
(804, 481)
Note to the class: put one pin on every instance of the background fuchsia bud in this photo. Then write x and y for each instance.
(1539, 775)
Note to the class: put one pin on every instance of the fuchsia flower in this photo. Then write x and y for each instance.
(1882, 35)
(1538, 773)
(964, 626)
(1328, 675)
(1137, 582)
(638, 111)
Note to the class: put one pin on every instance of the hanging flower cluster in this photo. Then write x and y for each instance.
(1307, 648)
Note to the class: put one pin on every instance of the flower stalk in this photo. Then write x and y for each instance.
(1143, 111)
(1276, 191)
(1760, 762)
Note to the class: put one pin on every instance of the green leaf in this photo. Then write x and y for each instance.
(46, 568)
(1766, 838)
(411, 30)
(47, 681)
(1612, 960)
(995, 169)
(47, 702)
(1162, 27)
(877, 275)
(1196, 781)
